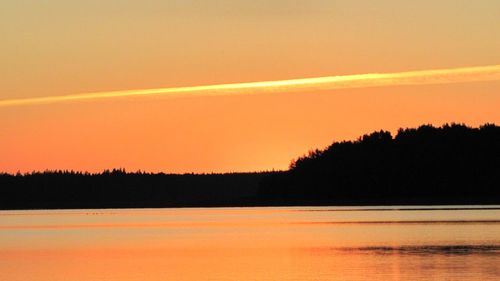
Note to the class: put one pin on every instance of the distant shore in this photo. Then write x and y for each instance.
(450, 165)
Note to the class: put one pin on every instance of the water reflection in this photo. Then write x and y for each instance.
(424, 250)
(251, 244)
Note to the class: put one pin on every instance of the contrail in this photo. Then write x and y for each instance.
(421, 77)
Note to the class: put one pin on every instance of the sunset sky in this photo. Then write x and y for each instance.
(58, 48)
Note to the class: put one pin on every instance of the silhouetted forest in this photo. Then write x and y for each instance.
(453, 164)
(120, 189)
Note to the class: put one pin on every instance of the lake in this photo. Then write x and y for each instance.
(286, 243)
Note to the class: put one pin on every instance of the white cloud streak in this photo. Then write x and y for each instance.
(421, 77)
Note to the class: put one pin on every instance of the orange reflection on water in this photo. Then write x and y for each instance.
(250, 244)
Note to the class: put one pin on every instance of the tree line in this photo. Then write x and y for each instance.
(425, 165)
(452, 164)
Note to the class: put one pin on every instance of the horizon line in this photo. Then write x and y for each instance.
(197, 173)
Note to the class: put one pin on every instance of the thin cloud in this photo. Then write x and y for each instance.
(421, 77)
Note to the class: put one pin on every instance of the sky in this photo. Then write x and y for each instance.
(56, 48)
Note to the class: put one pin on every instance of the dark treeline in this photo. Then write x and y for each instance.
(453, 164)
(119, 189)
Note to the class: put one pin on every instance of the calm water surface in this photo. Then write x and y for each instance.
(293, 243)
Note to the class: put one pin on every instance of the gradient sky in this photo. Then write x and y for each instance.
(60, 47)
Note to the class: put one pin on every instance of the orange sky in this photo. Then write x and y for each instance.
(59, 48)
